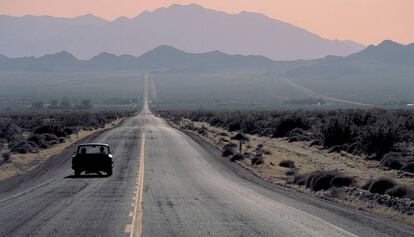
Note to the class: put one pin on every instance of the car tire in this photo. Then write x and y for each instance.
(109, 173)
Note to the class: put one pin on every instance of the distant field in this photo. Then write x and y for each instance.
(20, 89)
(238, 90)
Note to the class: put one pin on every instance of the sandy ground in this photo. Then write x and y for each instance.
(21, 163)
(308, 159)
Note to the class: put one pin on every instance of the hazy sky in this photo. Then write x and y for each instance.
(365, 21)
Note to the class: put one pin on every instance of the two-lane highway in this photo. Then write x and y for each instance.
(169, 184)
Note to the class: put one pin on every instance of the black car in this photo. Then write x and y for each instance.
(92, 158)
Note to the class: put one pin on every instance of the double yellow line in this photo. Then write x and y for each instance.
(135, 229)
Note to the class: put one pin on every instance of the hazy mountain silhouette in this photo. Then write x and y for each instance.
(163, 57)
(191, 28)
(383, 73)
(386, 55)
(387, 51)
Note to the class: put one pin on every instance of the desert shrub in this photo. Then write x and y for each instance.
(338, 148)
(324, 180)
(202, 131)
(9, 130)
(229, 150)
(237, 157)
(342, 181)
(266, 152)
(49, 129)
(288, 123)
(224, 134)
(299, 180)
(49, 137)
(38, 141)
(354, 148)
(5, 157)
(372, 133)
(367, 184)
(70, 131)
(298, 138)
(409, 167)
(338, 131)
(397, 192)
(258, 160)
(16, 139)
(379, 139)
(392, 160)
(298, 135)
(381, 185)
(287, 164)
(315, 143)
(291, 172)
(23, 148)
(224, 140)
(44, 129)
(410, 193)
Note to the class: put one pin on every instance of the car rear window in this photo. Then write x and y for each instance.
(93, 149)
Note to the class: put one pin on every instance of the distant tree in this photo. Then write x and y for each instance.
(37, 105)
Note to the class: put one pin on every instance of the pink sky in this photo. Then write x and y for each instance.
(365, 21)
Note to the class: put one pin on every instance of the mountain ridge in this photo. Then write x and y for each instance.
(161, 57)
(243, 33)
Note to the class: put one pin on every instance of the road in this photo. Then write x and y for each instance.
(168, 183)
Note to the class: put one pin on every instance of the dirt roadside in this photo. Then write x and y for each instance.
(22, 163)
(308, 159)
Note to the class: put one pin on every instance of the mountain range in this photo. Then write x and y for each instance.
(160, 58)
(385, 58)
(378, 74)
(388, 55)
(191, 28)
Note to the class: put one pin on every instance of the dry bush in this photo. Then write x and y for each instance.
(324, 180)
(258, 160)
(380, 185)
(287, 164)
(237, 157)
(373, 133)
(229, 150)
(291, 172)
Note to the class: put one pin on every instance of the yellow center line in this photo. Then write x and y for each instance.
(136, 227)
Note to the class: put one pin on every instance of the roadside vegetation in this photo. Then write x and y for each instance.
(29, 132)
(382, 140)
(383, 135)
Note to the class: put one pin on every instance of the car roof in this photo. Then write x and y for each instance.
(94, 144)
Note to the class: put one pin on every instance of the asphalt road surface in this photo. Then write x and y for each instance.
(167, 183)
